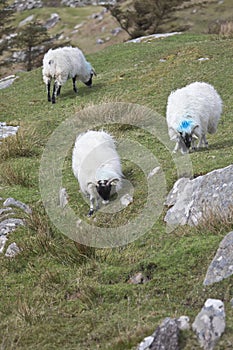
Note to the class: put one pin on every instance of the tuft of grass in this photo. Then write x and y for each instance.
(216, 220)
(17, 174)
(25, 143)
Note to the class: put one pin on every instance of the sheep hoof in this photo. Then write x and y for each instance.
(91, 212)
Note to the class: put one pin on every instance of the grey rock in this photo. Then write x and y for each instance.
(63, 198)
(3, 240)
(183, 323)
(4, 83)
(26, 21)
(116, 31)
(9, 225)
(145, 344)
(192, 200)
(22, 5)
(12, 250)
(139, 278)
(166, 336)
(52, 21)
(99, 41)
(209, 324)
(126, 200)
(222, 264)
(5, 210)
(7, 130)
(21, 205)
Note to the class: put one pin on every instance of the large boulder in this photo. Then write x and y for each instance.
(192, 201)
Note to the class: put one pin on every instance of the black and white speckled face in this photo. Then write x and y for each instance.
(186, 138)
(104, 189)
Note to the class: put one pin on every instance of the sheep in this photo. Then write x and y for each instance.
(97, 166)
(64, 63)
(191, 112)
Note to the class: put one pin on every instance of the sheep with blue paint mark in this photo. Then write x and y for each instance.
(62, 64)
(192, 112)
(97, 166)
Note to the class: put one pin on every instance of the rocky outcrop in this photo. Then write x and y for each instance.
(191, 201)
(22, 5)
(9, 223)
(78, 3)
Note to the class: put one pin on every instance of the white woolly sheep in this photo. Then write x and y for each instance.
(192, 111)
(64, 63)
(96, 165)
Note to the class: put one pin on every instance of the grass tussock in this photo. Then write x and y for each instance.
(24, 143)
(216, 220)
(222, 28)
(17, 174)
(46, 239)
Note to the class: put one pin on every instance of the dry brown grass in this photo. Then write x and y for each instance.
(216, 220)
(23, 144)
(222, 28)
(16, 174)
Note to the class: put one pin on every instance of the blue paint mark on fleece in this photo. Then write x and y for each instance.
(186, 125)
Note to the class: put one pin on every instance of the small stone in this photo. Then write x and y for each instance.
(145, 344)
(126, 200)
(153, 172)
(12, 250)
(63, 197)
(139, 278)
(183, 323)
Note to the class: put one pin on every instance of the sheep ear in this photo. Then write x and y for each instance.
(113, 182)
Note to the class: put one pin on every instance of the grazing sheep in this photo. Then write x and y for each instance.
(192, 111)
(96, 165)
(64, 63)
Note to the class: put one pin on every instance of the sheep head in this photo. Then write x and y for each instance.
(186, 130)
(104, 187)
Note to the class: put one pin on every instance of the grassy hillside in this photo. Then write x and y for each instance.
(58, 294)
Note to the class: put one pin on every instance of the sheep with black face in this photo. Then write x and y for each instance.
(97, 167)
(64, 63)
(192, 111)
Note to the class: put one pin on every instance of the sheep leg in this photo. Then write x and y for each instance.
(193, 144)
(202, 141)
(74, 85)
(48, 90)
(59, 90)
(55, 90)
(92, 202)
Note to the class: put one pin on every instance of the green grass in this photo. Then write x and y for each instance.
(60, 294)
